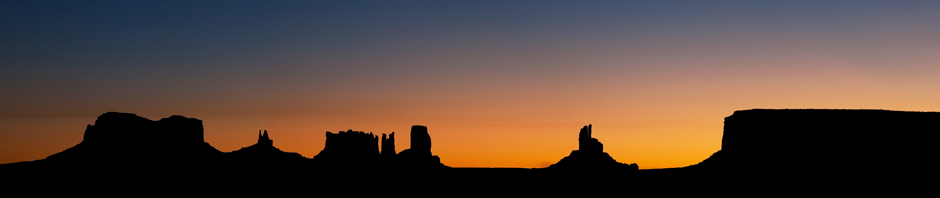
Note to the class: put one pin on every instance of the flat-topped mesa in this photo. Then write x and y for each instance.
(837, 143)
(127, 137)
(349, 147)
(115, 127)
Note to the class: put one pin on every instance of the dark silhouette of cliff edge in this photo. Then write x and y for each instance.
(826, 145)
(590, 156)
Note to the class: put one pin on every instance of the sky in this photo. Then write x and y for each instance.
(497, 83)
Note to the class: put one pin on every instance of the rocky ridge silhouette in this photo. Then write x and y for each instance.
(761, 149)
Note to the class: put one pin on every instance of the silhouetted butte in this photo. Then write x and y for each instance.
(419, 155)
(590, 156)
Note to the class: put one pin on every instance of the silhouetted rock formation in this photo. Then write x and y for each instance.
(264, 139)
(356, 149)
(388, 144)
(264, 153)
(590, 156)
(420, 139)
(419, 155)
(349, 148)
(127, 138)
(783, 150)
(845, 145)
(587, 143)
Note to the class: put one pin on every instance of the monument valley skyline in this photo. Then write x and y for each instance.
(499, 84)
(797, 150)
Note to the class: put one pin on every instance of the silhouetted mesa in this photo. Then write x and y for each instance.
(349, 148)
(825, 144)
(419, 155)
(590, 156)
(128, 138)
(119, 143)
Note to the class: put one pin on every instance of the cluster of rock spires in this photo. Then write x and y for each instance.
(359, 149)
(349, 148)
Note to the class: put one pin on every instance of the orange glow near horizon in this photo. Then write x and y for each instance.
(670, 137)
(657, 119)
(510, 88)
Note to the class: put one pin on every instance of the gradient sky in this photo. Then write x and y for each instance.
(498, 83)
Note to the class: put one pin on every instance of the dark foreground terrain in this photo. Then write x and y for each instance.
(772, 151)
